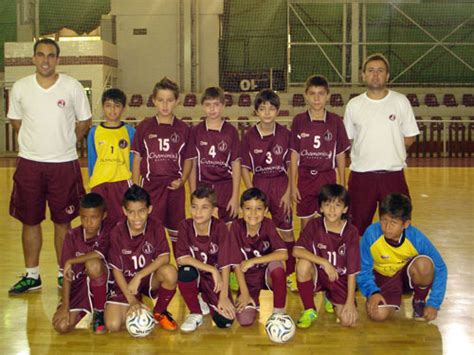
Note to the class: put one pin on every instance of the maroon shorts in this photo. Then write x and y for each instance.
(224, 193)
(257, 280)
(309, 185)
(369, 189)
(274, 188)
(168, 205)
(113, 192)
(336, 291)
(206, 287)
(392, 288)
(80, 298)
(34, 183)
(116, 296)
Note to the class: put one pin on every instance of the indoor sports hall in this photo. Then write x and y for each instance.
(244, 46)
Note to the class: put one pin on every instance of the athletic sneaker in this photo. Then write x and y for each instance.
(192, 322)
(26, 284)
(166, 321)
(60, 282)
(291, 282)
(328, 306)
(307, 318)
(418, 309)
(204, 306)
(98, 323)
(233, 283)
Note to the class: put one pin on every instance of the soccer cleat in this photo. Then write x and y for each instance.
(291, 282)
(418, 309)
(60, 282)
(307, 318)
(166, 321)
(26, 284)
(204, 306)
(192, 322)
(98, 323)
(233, 283)
(328, 306)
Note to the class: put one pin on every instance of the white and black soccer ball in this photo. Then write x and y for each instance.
(139, 324)
(280, 328)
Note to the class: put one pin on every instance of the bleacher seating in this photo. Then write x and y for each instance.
(336, 100)
(436, 137)
(298, 100)
(457, 143)
(413, 100)
(149, 102)
(449, 100)
(431, 100)
(229, 101)
(468, 100)
(245, 100)
(283, 113)
(190, 100)
(136, 100)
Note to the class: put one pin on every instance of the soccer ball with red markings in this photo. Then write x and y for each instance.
(139, 324)
(280, 328)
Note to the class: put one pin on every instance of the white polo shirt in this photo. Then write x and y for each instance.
(378, 129)
(48, 117)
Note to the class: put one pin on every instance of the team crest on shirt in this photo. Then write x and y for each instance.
(61, 103)
(222, 146)
(123, 143)
(148, 248)
(258, 151)
(392, 117)
(266, 245)
(328, 136)
(278, 149)
(174, 138)
(70, 209)
(213, 248)
(342, 249)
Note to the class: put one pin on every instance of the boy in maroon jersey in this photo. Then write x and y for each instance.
(329, 258)
(85, 269)
(215, 150)
(203, 254)
(159, 146)
(266, 153)
(139, 258)
(259, 253)
(318, 145)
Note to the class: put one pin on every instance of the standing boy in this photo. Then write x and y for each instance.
(328, 258)
(215, 150)
(139, 257)
(83, 261)
(318, 145)
(202, 254)
(397, 258)
(108, 154)
(266, 154)
(159, 146)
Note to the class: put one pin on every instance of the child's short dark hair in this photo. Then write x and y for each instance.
(316, 80)
(92, 200)
(213, 93)
(373, 57)
(205, 191)
(253, 194)
(397, 206)
(267, 95)
(166, 84)
(136, 193)
(48, 41)
(115, 95)
(331, 192)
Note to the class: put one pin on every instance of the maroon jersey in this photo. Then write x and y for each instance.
(211, 249)
(245, 247)
(131, 254)
(161, 147)
(341, 250)
(318, 142)
(266, 156)
(215, 150)
(75, 244)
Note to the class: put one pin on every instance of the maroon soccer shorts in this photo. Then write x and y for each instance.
(168, 205)
(113, 192)
(274, 188)
(117, 297)
(34, 183)
(80, 298)
(309, 185)
(369, 189)
(224, 193)
(257, 280)
(336, 291)
(206, 287)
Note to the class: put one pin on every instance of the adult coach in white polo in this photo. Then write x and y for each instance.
(50, 111)
(382, 126)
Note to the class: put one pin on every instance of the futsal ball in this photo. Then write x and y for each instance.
(139, 324)
(280, 328)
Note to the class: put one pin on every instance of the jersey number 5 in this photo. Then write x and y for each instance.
(317, 142)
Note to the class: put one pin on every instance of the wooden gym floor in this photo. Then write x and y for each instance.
(443, 209)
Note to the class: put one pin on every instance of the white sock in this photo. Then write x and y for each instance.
(60, 273)
(33, 272)
(278, 310)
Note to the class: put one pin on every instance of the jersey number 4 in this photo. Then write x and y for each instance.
(212, 151)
